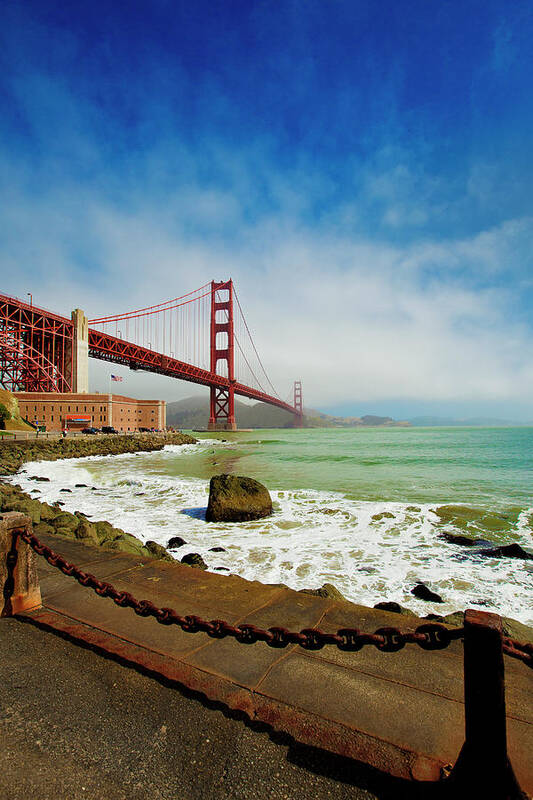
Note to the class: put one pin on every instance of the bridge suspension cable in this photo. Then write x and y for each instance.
(167, 305)
(247, 329)
(180, 328)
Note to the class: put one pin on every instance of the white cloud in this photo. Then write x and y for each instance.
(353, 315)
(353, 318)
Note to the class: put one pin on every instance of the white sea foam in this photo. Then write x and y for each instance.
(372, 551)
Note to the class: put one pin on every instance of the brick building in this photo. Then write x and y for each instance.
(76, 411)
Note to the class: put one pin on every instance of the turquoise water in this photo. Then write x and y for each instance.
(489, 467)
(364, 509)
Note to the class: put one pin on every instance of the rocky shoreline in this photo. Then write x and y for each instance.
(51, 518)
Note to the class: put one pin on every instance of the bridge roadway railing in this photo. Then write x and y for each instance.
(114, 349)
(483, 761)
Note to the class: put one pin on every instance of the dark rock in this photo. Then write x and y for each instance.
(66, 490)
(175, 542)
(326, 590)
(217, 549)
(222, 569)
(39, 478)
(507, 551)
(396, 608)
(58, 503)
(434, 618)
(194, 560)
(80, 486)
(383, 515)
(457, 538)
(389, 606)
(234, 498)
(158, 551)
(424, 593)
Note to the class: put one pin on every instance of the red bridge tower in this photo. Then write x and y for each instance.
(298, 404)
(222, 406)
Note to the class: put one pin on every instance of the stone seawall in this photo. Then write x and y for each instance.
(52, 519)
(13, 454)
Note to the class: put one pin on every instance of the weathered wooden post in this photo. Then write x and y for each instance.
(483, 768)
(19, 584)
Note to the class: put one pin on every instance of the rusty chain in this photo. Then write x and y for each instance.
(431, 636)
(521, 650)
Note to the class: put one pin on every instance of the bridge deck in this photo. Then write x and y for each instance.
(401, 712)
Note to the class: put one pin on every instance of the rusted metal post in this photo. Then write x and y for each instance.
(483, 765)
(19, 584)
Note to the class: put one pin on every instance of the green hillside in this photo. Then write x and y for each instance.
(193, 412)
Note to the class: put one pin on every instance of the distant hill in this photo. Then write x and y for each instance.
(193, 412)
(438, 422)
(318, 419)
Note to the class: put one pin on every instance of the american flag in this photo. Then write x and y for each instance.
(116, 378)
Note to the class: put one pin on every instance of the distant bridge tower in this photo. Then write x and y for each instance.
(222, 405)
(298, 404)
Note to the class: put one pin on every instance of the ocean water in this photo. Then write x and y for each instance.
(362, 509)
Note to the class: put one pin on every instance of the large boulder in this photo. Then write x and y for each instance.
(233, 498)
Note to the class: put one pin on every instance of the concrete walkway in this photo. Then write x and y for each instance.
(399, 712)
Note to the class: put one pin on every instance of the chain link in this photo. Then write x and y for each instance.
(521, 650)
(430, 636)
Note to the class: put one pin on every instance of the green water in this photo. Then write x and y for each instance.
(487, 467)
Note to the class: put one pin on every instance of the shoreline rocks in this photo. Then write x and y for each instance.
(13, 454)
(52, 519)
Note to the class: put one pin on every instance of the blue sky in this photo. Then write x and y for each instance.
(362, 170)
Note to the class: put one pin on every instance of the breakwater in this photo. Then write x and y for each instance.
(52, 519)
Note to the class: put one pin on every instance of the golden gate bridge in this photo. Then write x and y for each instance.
(202, 337)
